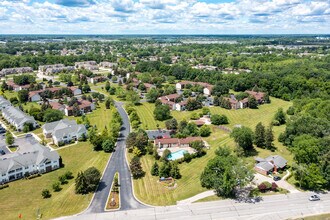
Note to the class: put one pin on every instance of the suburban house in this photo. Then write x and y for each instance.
(106, 64)
(16, 87)
(259, 96)
(43, 68)
(75, 90)
(235, 104)
(57, 106)
(17, 118)
(83, 105)
(8, 71)
(29, 159)
(88, 65)
(207, 88)
(270, 164)
(97, 79)
(175, 142)
(169, 100)
(55, 70)
(64, 131)
(181, 106)
(34, 96)
(4, 103)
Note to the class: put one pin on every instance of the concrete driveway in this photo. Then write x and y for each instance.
(259, 178)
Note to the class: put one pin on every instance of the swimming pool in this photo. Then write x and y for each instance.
(177, 155)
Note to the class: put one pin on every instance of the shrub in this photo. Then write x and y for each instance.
(62, 179)
(46, 194)
(187, 157)
(68, 175)
(57, 187)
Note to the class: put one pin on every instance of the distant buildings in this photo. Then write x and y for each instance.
(108, 64)
(16, 87)
(84, 106)
(29, 159)
(88, 65)
(207, 88)
(9, 71)
(175, 142)
(64, 131)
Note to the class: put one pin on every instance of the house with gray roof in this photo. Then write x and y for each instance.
(30, 158)
(4, 103)
(270, 164)
(64, 131)
(17, 117)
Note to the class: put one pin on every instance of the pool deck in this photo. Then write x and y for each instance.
(175, 149)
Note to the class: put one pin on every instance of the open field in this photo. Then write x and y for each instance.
(24, 196)
(100, 116)
(149, 191)
(316, 217)
(146, 114)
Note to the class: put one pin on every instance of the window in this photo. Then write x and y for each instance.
(27, 167)
(48, 162)
(19, 169)
(11, 171)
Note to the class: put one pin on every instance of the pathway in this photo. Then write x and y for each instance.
(196, 197)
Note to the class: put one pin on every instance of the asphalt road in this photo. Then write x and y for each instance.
(117, 163)
(275, 207)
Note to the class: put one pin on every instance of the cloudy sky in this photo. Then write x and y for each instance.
(164, 16)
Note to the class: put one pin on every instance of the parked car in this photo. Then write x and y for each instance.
(2, 152)
(314, 198)
(276, 178)
(2, 131)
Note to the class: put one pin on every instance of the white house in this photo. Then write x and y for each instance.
(34, 96)
(64, 131)
(17, 118)
(29, 159)
(75, 90)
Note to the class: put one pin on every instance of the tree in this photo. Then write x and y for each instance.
(193, 104)
(269, 137)
(224, 173)
(46, 194)
(23, 95)
(155, 169)
(252, 102)
(243, 137)
(152, 95)
(107, 86)
(219, 119)
(280, 116)
(171, 124)
(81, 184)
(9, 138)
(165, 169)
(175, 171)
(136, 168)
(108, 145)
(259, 135)
(162, 112)
(92, 176)
(166, 154)
(205, 131)
(51, 115)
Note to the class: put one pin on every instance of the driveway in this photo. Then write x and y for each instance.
(259, 178)
(117, 163)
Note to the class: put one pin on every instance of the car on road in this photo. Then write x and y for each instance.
(2, 152)
(28, 135)
(276, 178)
(314, 198)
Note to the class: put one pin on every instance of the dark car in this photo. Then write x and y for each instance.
(276, 178)
(28, 135)
(2, 152)
(2, 131)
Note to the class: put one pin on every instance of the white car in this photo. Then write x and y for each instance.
(314, 198)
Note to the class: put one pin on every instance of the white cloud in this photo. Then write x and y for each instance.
(164, 16)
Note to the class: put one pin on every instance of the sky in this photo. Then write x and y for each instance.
(164, 16)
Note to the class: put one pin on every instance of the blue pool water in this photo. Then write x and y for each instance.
(177, 155)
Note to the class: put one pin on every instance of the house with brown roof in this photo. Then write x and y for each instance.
(75, 90)
(17, 87)
(83, 105)
(97, 79)
(259, 96)
(175, 142)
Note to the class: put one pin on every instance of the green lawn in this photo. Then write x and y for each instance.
(316, 217)
(24, 196)
(146, 114)
(149, 191)
(100, 117)
(209, 199)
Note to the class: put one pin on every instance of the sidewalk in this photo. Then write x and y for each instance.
(196, 197)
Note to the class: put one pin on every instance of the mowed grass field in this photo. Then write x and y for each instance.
(149, 191)
(146, 113)
(24, 196)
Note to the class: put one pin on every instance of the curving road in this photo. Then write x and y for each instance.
(117, 162)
